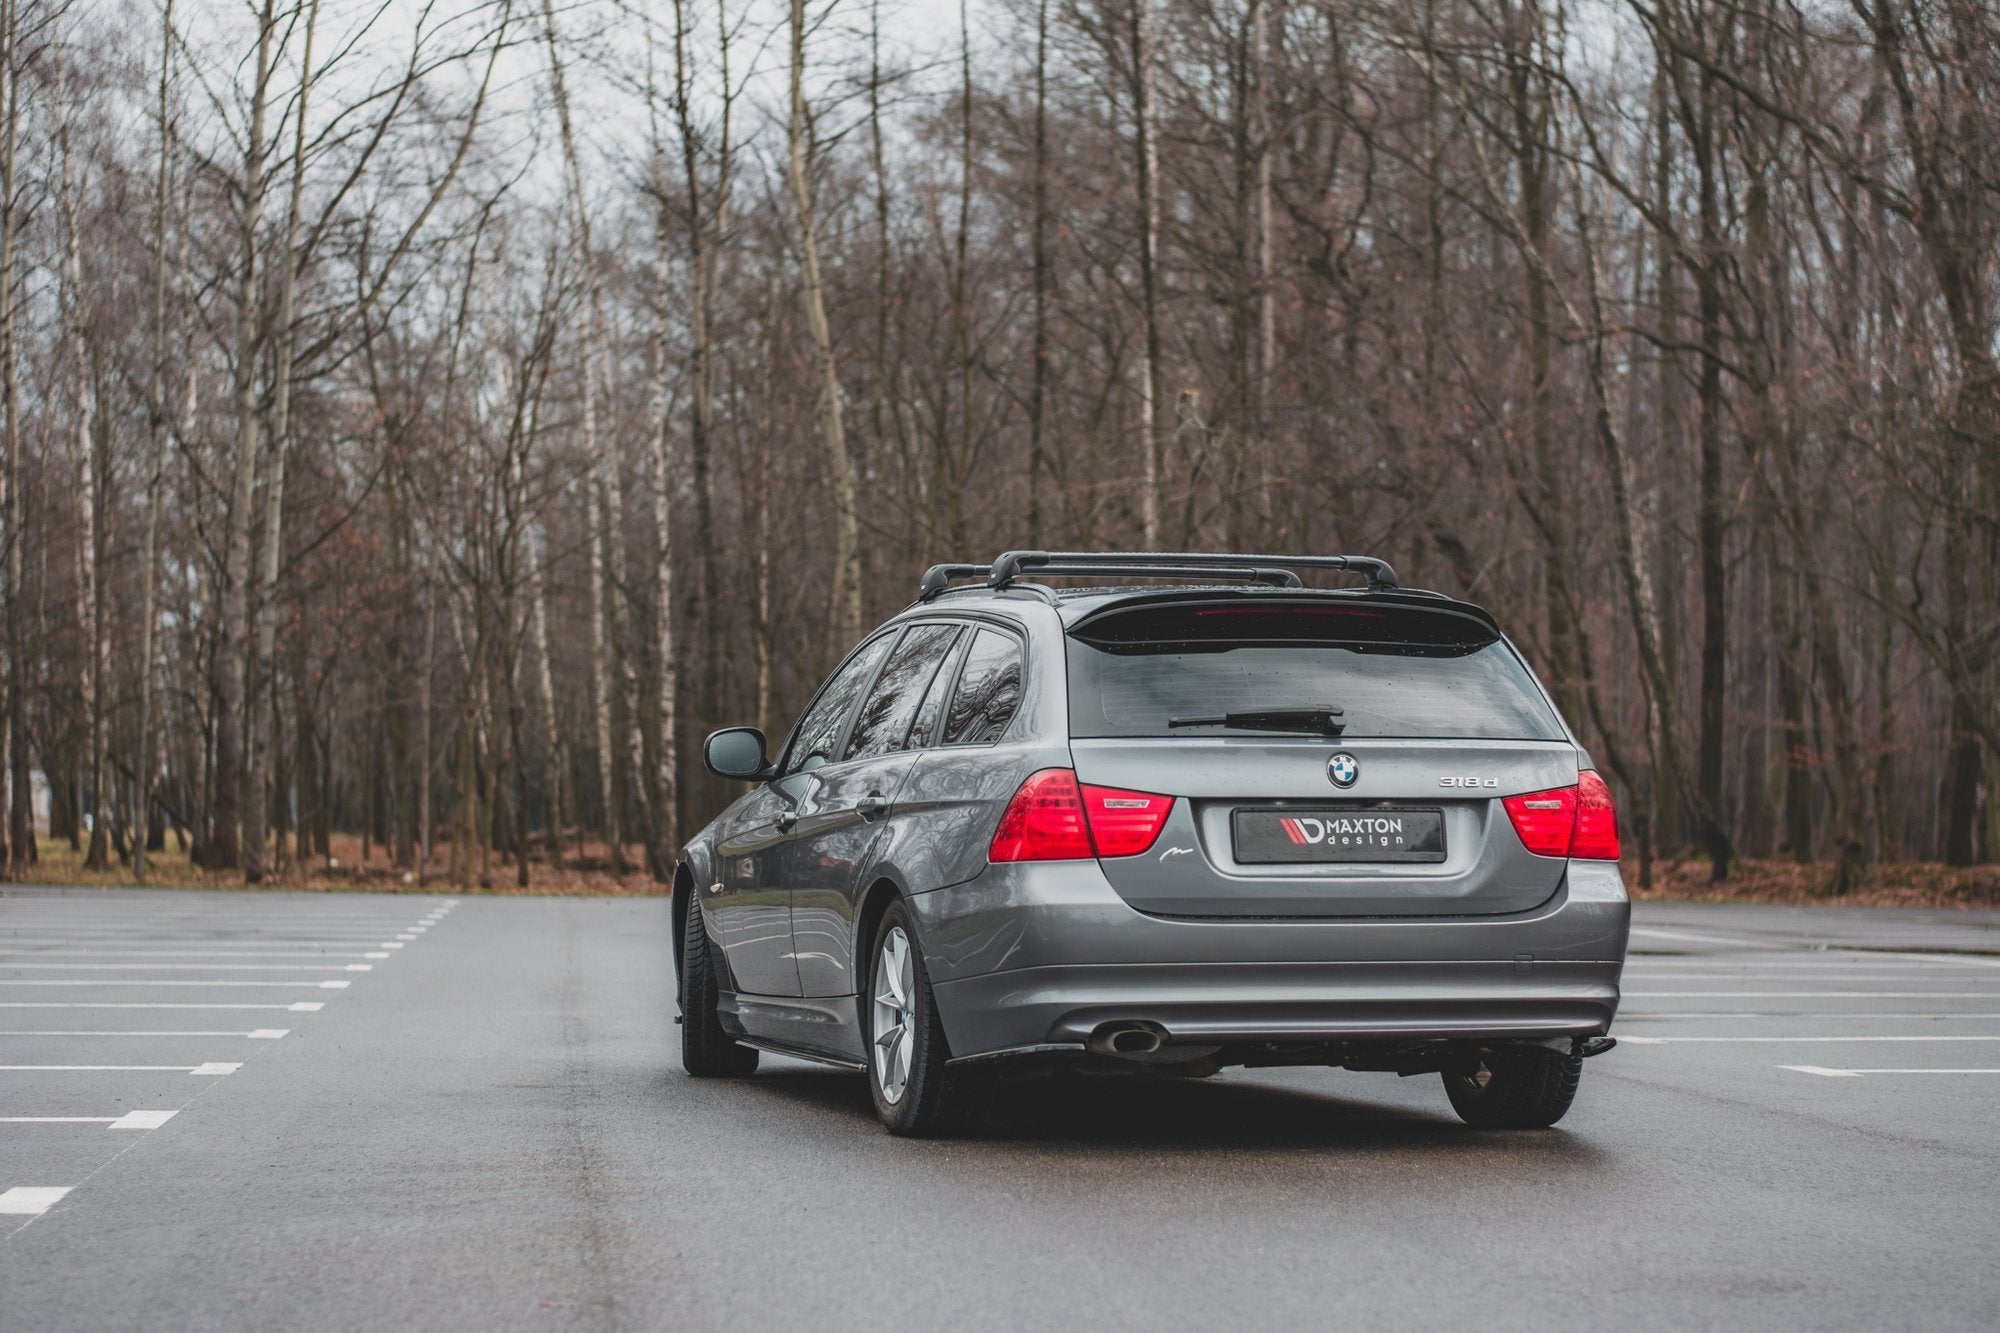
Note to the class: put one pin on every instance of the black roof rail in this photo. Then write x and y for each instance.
(1277, 570)
(938, 577)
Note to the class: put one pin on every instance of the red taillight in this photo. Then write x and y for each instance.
(1577, 821)
(1545, 821)
(1044, 821)
(1051, 818)
(1124, 823)
(1596, 820)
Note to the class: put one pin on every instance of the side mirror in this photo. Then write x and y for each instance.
(735, 752)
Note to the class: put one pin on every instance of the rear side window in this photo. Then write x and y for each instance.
(1392, 671)
(989, 690)
(929, 721)
(883, 719)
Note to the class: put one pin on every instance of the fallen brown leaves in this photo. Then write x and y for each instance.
(585, 871)
(1899, 884)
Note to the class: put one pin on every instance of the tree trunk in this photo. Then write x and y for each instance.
(600, 672)
(20, 811)
(1266, 286)
(426, 823)
(1711, 518)
(90, 611)
(1146, 153)
(846, 603)
(704, 230)
(156, 423)
(223, 847)
(1038, 369)
(259, 718)
(554, 786)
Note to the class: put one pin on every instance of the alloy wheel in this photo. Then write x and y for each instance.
(894, 1027)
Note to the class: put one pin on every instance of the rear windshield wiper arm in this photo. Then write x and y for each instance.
(1315, 721)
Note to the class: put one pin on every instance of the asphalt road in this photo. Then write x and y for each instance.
(488, 1129)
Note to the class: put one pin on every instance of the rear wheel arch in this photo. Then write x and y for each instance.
(875, 904)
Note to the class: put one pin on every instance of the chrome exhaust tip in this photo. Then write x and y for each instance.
(1127, 1039)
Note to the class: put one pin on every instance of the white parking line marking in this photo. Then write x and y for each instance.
(1827, 959)
(213, 1067)
(377, 954)
(253, 932)
(1857, 1073)
(179, 953)
(317, 985)
(186, 967)
(1960, 960)
(1628, 1015)
(143, 1119)
(108, 1121)
(303, 1007)
(1798, 994)
(1904, 978)
(289, 927)
(1654, 932)
(1851, 961)
(392, 944)
(264, 1033)
(281, 927)
(1657, 1041)
(406, 938)
(31, 1200)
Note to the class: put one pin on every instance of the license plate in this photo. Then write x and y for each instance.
(1305, 836)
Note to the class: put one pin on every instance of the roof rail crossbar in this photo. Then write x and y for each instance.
(1276, 578)
(1153, 564)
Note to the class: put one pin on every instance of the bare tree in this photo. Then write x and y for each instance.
(846, 604)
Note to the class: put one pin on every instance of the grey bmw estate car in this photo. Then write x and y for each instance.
(1208, 817)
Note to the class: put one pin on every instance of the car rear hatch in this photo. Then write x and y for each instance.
(1398, 814)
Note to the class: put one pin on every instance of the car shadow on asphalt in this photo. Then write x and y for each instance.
(1145, 1114)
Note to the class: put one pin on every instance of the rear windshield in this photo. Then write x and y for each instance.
(1393, 672)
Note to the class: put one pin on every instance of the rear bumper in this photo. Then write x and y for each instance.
(1041, 956)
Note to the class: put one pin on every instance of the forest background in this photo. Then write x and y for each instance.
(422, 420)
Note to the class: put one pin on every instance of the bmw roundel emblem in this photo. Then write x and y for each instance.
(1343, 769)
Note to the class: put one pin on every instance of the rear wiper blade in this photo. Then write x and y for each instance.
(1315, 721)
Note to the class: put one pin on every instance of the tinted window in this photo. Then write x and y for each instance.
(819, 729)
(1393, 672)
(930, 713)
(989, 689)
(880, 725)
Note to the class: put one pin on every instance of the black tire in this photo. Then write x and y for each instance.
(706, 1050)
(935, 1097)
(1521, 1087)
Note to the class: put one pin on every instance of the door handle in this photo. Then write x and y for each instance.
(786, 820)
(872, 806)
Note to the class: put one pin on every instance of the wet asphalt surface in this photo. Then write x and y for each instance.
(487, 1128)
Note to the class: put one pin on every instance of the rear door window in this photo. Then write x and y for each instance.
(880, 725)
(989, 690)
(1392, 671)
